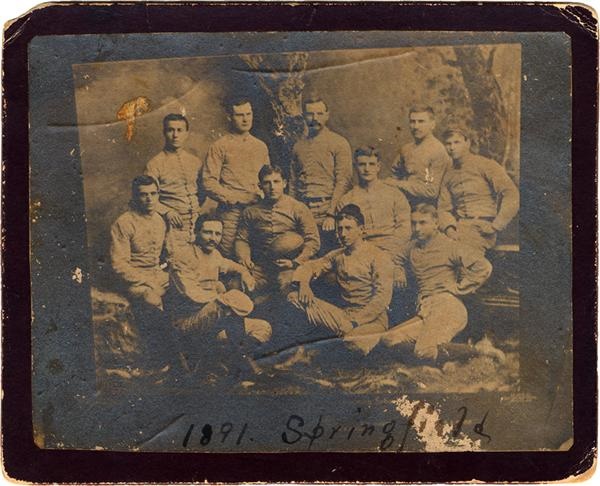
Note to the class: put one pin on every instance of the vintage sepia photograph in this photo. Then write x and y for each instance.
(311, 243)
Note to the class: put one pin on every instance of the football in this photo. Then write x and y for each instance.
(287, 245)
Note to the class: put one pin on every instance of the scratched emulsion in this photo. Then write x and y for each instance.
(130, 110)
(435, 434)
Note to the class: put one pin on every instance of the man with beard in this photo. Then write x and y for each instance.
(265, 230)
(321, 169)
(177, 172)
(232, 163)
(444, 270)
(364, 277)
(421, 165)
(137, 239)
(202, 309)
(477, 199)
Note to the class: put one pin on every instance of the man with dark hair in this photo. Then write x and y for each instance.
(177, 172)
(137, 239)
(364, 277)
(421, 164)
(275, 235)
(232, 163)
(444, 270)
(386, 210)
(321, 169)
(200, 306)
(477, 198)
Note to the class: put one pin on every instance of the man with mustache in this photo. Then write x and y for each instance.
(419, 168)
(137, 239)
(200, 306)
(321, 169)
(177, 172)
(477, 198)
(364, 278)
(269, 222)
(444, 270)
(229, 175)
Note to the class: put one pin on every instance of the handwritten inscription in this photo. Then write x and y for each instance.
(304, 433)
(225, 430)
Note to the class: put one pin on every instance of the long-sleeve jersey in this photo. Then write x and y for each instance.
(444, 265)
(195, 274)
(477, 188)
(178, 177)
(230, 174)
(321, 168)
(387, 215)
(261, 223)
(136, 243)
(421, 167)
(364, 275)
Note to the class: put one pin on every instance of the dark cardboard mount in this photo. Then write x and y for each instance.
(22, 460)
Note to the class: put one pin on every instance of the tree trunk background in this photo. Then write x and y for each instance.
(490, 119)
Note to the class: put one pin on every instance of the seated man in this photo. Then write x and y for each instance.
(137, 239)
(444, 269)
(275, 235)
(364, 275)
(201, 307)
(477, 198)
(386, 211)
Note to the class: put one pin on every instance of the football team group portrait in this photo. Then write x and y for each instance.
(286, 243)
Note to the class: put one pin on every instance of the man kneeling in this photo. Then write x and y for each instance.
(444, 269)
(364, 275)
(202, 309)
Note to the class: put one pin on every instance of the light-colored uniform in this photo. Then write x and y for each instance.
(365, 278)
(444, 269)
(475, 196)
(135, 248)
(230, 177)
(202, 296)
(321, 172)
(261, 223)
(178, 176)
(387, 215)
(421, 166)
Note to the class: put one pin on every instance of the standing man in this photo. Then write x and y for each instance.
(364, 277)
(321, 169)
(478, 198)
(137, 239)
(177, 172)
(232, 163)
(385, 209)
(444, 270)
(421, 165)
(275, 235)
(200, 306)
